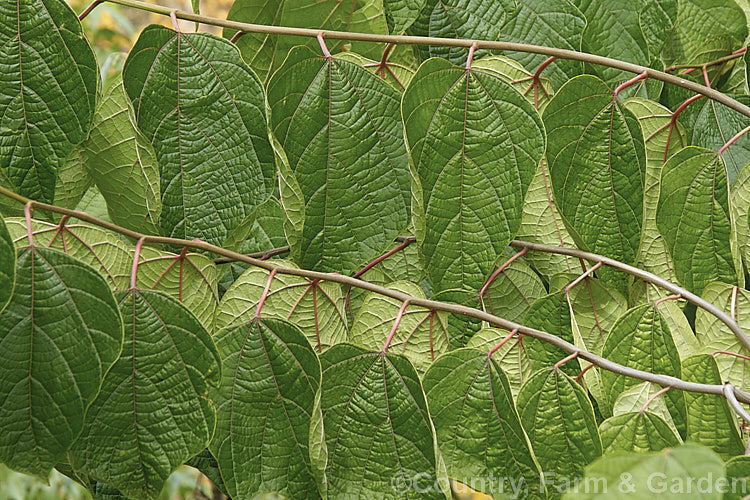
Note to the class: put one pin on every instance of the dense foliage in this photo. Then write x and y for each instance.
(128, 350)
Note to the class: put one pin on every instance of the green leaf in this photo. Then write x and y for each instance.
(666, 474)
(595, 309)
(60, 334)
(657, 19)
(396, 74)
(512, 356)
(317, 308)
(740, 203)
(597, 165)
(421, 336)
(634, 399)
(559, 419)
(716, 336)
(7, 265)
(73, 179)
(264, 407)
(662, 140)
(207, 465)
(122, 163)
(693, 217)
(551, 23)
(710, 421)
(476, 423)
(542, 223)
(638, 431)
(550, 314)
(99, 248)
(738, 477)
(698, 21)
(715, 125)
(340, 128)
(512, 292)
(471, 19)
(514, 73)
(377, 426)
(188, 90)
(265, 53)
(153, 407)
(641, 339)
(614, 30)
(476, 144)
(48, 93)
(401, 14)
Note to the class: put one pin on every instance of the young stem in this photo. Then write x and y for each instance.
(88, 9)
(733, 139)
(630, 82)
(564, 360)
(136, 260)
(395, 326)
(500, 270)
(29, 232)
(175, 23)
(502, 342)
(264, 296)
(580, 375)
(663, 299)
(470, 56)
(236, 36)
(729, 353)
(380, 259)
(652, 398)
(582, 277)
(323, 46)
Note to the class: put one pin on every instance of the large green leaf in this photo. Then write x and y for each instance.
(595, 309)
(694, 218)
(317, 308)
(550, 314)
(638, 431)
(512, 356)
(614, 30)
(396, 74)
(340, 129)
(377, 427)
(189, 90)
(476, 423)
(270, 378)
(264, 53)
(47, 93)
(153, 408)
(551, 23)
(641, 339)
(472, 19)
(73, 179)
(597, 165)
(122, 163)
(635, 398)
(714, 335)
(559, 419)
(657, 18)
(422, 334)
(541, 223)
(710, 421)
(714, 125)
(512, 292)
(740, 203)
(401, 14)
(59, 335)
(697, 23)
(662, 140)
(666, 474)
(514, 73)
(476, 144)
(7, 265)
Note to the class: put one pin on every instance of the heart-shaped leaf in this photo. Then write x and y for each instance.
(638, 431)
(339, 126)
(48, 93)
(512, 356)
(265, 403)
(476, 144)
(60, 334)
(210, 180)
(512, 291)
(153, 408)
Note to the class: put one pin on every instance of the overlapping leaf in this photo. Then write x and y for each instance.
(522, 80)
(512, 356)
(476, 423)
(376, 426)
(595, 309)
(265, 405)
(476, 144)
(597, 165)
(47, 93)
(552, 23)
(634, 399)
(559, 419)
(550, 314)
(7, 265)
(122, 163)
(401, 14)
(738, 478)
(513, 291)
(641, 339)
(203, 110)
(340, 129)
(396, 74)
(710, 421)
(638, 431)
(153, 408)
(316, 308)
(59, 335)
(694, 218)
(657, 19)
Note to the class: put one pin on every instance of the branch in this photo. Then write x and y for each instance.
(445, 42)
(663, 380)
